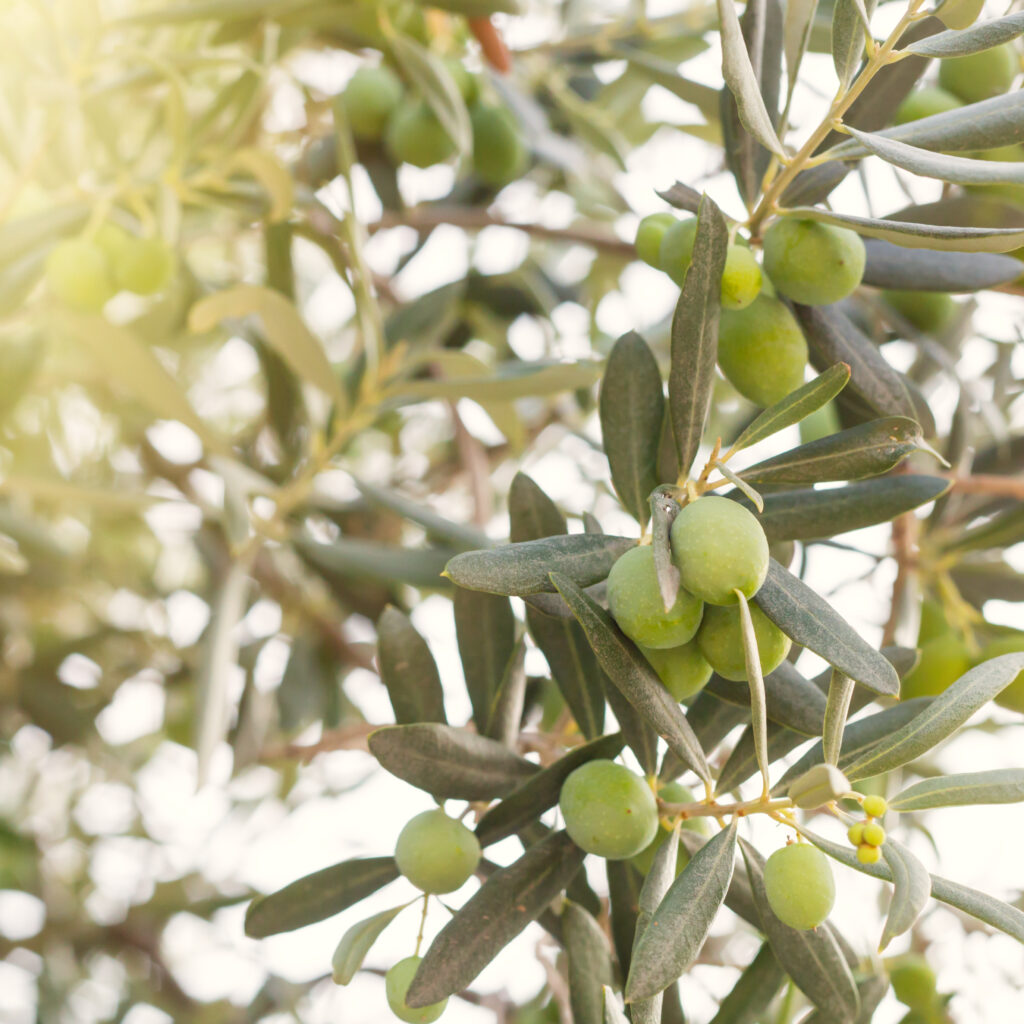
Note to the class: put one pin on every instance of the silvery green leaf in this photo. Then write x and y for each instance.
(589, 963)
(754, 990)
(613, 1012)
(356, 943)
(408, 670)
(682, 196)
(664, 509)
(890, 266)
(742, 82)
(758, 703)
(919, 236)
(957, 170)
(971, 40)
(1001, 786)
(840, 692)
(850, 24)
(504, 718)
(485, 629)
(941, 718)
(796, 35)
(677, 930)
(911, 889)
(819, 786)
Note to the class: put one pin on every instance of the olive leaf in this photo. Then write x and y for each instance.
(664, 509)
(967, 789)
(790, 699)
(408, 670)
(613, 1013)
(318, 896)
(673, 939)
(627, 668)
(889, 266)
(449, 763)
(695, 327)
(632, 406)
(911, 889)
(972, 40)
(506, 712)
(438, 528)
(959, 14)
(589, 961)
(799, 22)
(624, 885)
(348, 558)
(840, 693)
(758, 703)
(754, 990)
(485, 630)
(357, 942)
(810, 621)
(850, 25)
(501, 908)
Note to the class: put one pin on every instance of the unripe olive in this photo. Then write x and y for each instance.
(925, 103)
(741, 276)
(762, 351)
(415, 136)
(874, 834)
(370, 98)
(78, 274)
(875, 806)
(112, 239)
(799, 885)
(464, 79)
(649, 233)
(943, 661)
(636, 605)
(811, 262)
(868, 854)
(396, 985)
(498, 152)
(683, 670)
(855, 833)
(720, 639)
(980, 76)
(1013, 696)
(933, 621)
(914, 982)
(608, 810)
(719, 547)
(676, 250)
(436, 853)
(821, 423)
(927, 311)
(144, 265)
(645, 858)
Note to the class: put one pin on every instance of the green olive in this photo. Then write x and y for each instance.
(683, 670)
(927, 311)
(396, 985)
(720, 639)
(144, 265)
(943, 661)
(811, 262)
(78, 275)
(719, 548)
(498, 152)
(1013, 696)
(649, 233)
(799, 885)
(676, 248)
(980, 76)
(741, 276)
(370, 98)
(437, 853)
(415, 136)
(925, 103)
(464, 79)
(608, 810)
(636, 605)
(762, 351)
(914, 982)
(821, 423)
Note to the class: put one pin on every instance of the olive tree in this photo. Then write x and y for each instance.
(245, 459)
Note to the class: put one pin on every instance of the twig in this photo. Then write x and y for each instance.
(988, 483)
(474, 460)
(349, 737)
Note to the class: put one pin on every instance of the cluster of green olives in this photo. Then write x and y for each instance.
(761, 349)
(799, 885)
(85, 273)
(868, 836)
(719, 548)
(379, 109)
(438, 854)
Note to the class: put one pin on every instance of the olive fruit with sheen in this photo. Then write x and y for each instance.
(636, 604)
(741, 276)
(396, 986)
(649, 233)
(436, 853)
(143, 265)
(927, 311)
(719, 547)
(943, 661)
(1013, 696)
(799, 885)
(811, 262)
(720, 639)
(980, 76)
(498, 152)
(914, 982)
(415, 136)
(925, 103)
(683, 670)
(78, 275)
(762, 351)
(608, 810)
(369, 100)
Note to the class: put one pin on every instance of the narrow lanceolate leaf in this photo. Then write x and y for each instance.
(318, 896)
(973, 40)
(674, 937)
(977, 904)
(664, 509)
(629, 670)
(941, 718)
(1001, 531)
(742, 82)
(659, 880)
(503, 906)
(506, 712)
(808, 514)
(357, 942)
(624, 884)
(485, 628)
(573, 666)
(754, 990)
(811, 621)
(408, 670)
(459, 535)
(695, 329)
(352, 558)
(1002, 786)
(796, 36)
(919, 236)
(840, 692)
(540, 792)
(590, 964)
(833, 338)
(957, 170)
(640, 735)
(613, 1012)
(923, 270)
(790, 699)
(812, 958)
(911, 888)
(795, 406)
(758, 708)
(448, 763)
(850, 20)
(682, 196)
(868, 449)
(283, 328)
(632, 406)
(521, 569)
(532, 514)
